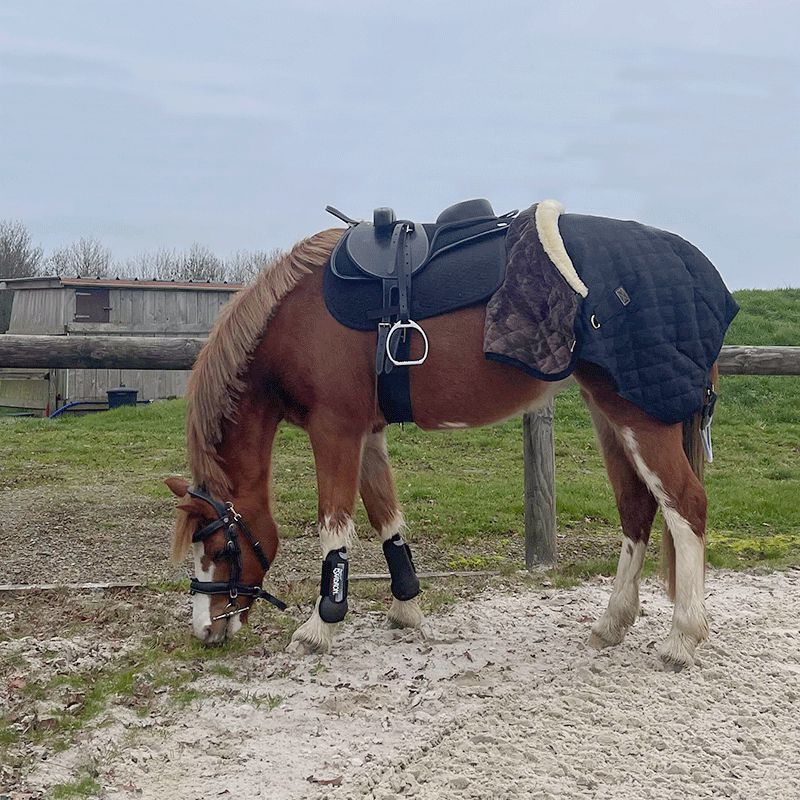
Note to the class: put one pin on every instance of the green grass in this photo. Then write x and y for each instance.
(767, 317)
(84, 786)
(462, 494)
(136, 443)
(462, 490)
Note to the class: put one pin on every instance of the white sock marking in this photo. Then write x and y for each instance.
(314, 634)
(397, 524)
(333, 537)
(689, 617)
(624, 603)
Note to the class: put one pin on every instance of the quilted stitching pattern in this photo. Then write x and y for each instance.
(659, 347)
(530, 320)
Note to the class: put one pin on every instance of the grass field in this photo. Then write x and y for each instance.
(79, 495)
(462, 490)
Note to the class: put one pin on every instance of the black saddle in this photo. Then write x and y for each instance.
(388, 274)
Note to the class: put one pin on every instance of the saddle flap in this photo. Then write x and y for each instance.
(375, 253)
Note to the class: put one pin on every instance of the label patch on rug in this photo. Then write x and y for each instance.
(623, 296)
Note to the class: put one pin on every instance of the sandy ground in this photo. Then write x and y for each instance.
(497, 698)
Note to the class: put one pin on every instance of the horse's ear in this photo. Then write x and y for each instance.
(192, 507)
(178, 486)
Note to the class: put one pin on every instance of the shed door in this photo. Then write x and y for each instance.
(92, 305)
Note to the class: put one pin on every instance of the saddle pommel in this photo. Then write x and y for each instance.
(384, 220)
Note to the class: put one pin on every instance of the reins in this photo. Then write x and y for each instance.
(229, 519)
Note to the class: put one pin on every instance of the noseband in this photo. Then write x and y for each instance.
(232, 522)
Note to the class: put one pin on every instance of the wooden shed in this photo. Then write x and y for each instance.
(120, 307)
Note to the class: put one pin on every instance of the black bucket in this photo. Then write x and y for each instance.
(121, 396)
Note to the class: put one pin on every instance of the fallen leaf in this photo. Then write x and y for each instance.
(337, 781)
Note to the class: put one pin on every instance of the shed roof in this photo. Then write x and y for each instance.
(56, 282)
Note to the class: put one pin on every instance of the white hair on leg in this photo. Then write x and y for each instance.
(623, 606)
(315, 635)
(335, 535)
(402, 613)
(397, 524)
(405, 613)
(689, 620)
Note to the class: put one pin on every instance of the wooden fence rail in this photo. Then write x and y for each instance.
(98, 352)
(174, 352)
(139, 352)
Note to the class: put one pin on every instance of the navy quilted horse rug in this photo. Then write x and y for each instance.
(640, 302)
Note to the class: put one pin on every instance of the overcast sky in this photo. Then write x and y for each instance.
(158, 124)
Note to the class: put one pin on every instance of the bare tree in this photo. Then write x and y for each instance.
(244, 265)
(199, 263)
(160, 265)
(18, 257)
(84, 257)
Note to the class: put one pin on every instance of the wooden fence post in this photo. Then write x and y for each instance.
(540, 488)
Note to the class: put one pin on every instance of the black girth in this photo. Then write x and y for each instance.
(232, 523)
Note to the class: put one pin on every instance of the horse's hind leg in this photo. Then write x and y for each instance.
(656, 452)
(380, 500)
(637, 507)
(337, 454)
(660, 460)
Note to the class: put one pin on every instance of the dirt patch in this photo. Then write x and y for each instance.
(103, 532)
(499, 697)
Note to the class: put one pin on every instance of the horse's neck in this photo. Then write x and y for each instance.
(246, 448)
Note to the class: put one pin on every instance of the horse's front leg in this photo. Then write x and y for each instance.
(337, 454)
(380, 500)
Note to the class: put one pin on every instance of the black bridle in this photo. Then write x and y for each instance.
(232, 522)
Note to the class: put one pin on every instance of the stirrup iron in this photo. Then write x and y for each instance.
(400, 326)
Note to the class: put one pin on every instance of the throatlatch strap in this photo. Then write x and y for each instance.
(405, 583)
(333, 586)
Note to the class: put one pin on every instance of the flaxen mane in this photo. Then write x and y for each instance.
(218, 375)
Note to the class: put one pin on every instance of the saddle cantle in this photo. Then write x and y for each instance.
(388, 274)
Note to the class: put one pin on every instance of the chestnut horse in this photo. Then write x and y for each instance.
(276, 354)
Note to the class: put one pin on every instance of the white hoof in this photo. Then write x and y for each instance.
(405, 613)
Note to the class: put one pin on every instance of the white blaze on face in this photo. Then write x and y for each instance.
(201, 603)
(234, 625)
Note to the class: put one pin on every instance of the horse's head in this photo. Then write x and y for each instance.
(233, 544)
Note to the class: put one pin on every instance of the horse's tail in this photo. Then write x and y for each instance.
(693, 447)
